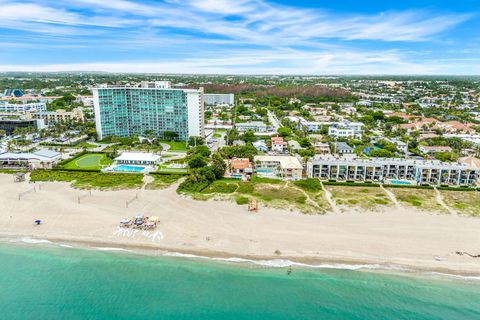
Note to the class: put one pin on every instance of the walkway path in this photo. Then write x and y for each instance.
(165, 146)
(328, 197)
(309, 199)
(146, 180)
(392, 196)
(439, 198)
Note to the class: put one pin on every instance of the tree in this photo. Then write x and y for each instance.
(2, 133)
(201, 150)
(368, 119)
(381, 153)
(231, 136)
(446, 156)
(247, 151)
(170, 135)
(249, 136)
(218, 164)
(304, 142)
(284, 132)
(196, 141)
(197, 161)
(388, 146)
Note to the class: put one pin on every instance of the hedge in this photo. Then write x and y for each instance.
(169, 173)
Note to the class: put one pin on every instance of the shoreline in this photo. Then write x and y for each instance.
(402, 238)
(267, 261)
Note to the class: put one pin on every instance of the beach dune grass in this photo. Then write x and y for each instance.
(465, 202)
(162, 181)
(221, 186)
(422, 199)
(89, 161)
(90, 180)
(272, 192)
(310, 185)
(363, 198)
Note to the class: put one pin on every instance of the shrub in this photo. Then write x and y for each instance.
(246, 187)
(242, 200)
(312, 185)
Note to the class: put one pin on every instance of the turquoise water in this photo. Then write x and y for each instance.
(399, 182)
(41, 282)
(127, 168)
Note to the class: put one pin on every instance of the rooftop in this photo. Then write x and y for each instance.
(41, 155)
(240, 163)
(392, 161)
(286, 162)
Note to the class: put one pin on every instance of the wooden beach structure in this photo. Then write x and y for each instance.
(253, 205)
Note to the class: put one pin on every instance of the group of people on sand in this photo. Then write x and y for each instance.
(140, 222)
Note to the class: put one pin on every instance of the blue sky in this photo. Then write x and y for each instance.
(242, 36)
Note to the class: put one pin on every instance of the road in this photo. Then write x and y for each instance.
(273, 121)
(219, 143)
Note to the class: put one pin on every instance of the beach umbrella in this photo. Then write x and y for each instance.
(38, 221)
(153, 219)
(139, 216)
(125, 221)
(138, 222)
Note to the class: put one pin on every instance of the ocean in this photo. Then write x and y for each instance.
(45, 281)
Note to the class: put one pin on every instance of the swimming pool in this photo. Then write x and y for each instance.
(401, 182)
(127, 168)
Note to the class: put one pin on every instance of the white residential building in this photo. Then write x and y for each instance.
(278, 166)
(255, 126)
(24, 107)
(138, 158)
(392, 170)
(42, 159)
(214, 99)
(346, 130)
(278, 145)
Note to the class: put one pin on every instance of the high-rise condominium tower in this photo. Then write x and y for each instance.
(153, 108)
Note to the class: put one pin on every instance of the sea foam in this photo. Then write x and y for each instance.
(31, 240)
(279, 263)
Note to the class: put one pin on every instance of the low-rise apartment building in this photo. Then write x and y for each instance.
(278, 166)
(392, 170)
(22, 108)
(59, 116)
(255, 126)
(9, 125)
(346, 130)
(213, 99)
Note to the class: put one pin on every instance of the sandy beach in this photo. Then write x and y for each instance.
(399, 237)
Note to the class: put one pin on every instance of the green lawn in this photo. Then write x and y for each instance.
(90, 161)
(176, 145)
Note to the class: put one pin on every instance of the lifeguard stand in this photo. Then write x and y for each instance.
(253, 205)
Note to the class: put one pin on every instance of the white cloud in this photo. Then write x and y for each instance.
(272, 62)
(219, 36)
(255, 20)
